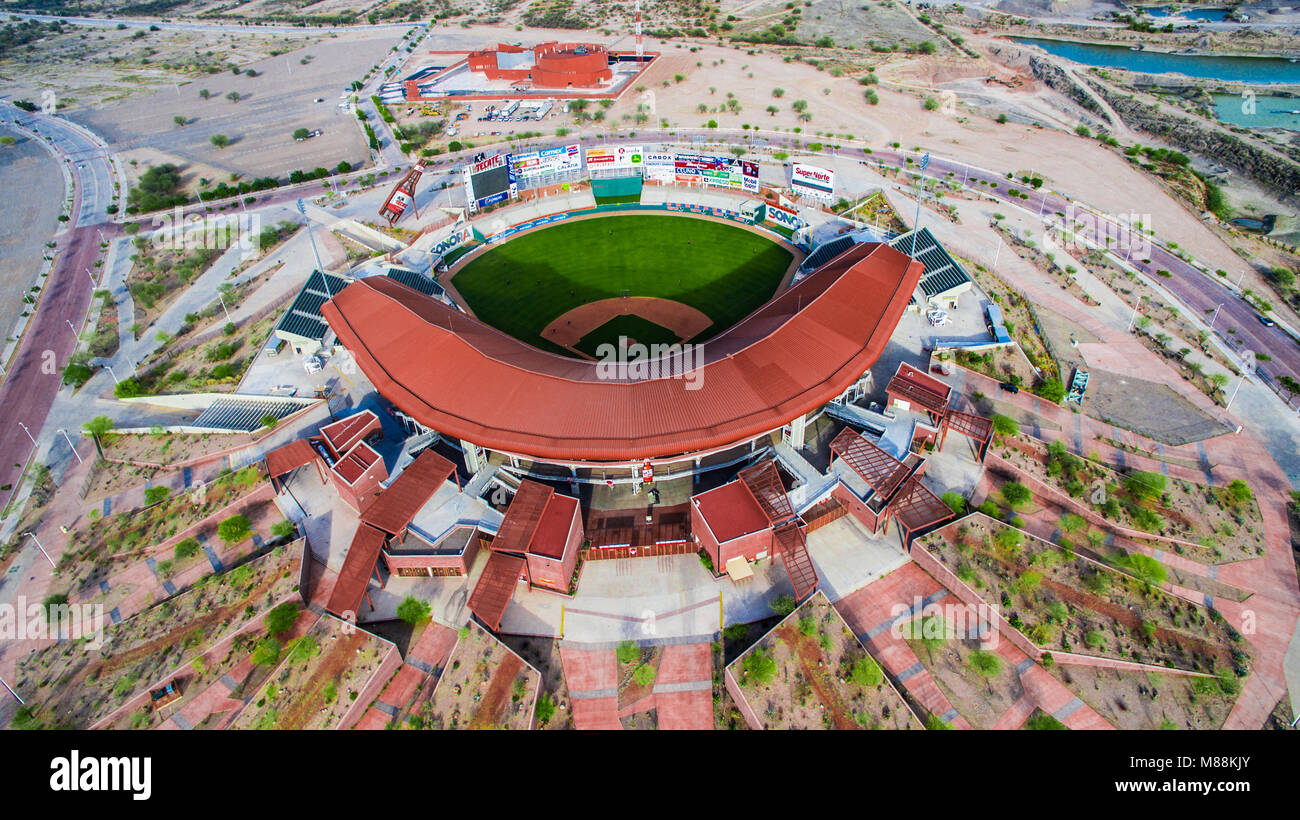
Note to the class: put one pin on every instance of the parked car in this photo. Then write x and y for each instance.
(1009, 387)
(1264, 320)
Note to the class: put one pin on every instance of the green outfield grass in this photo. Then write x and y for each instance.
(524, 284)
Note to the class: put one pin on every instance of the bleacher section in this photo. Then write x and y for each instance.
(942, 275)
(827, 251)
(416, 281)
(245, 414)
(303, 318)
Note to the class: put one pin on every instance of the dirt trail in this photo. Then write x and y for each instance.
(489, 709)
(809, 655)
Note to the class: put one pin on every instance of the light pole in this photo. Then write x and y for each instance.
(29, 433)
(1215, 316)
(1247, 366)
(74, 449)
(20, 700)
(42, 549)
(109, 368)
(1133, 318)
(223, 305)
(92, 278)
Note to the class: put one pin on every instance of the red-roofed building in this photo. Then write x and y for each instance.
(728, 521)
(357, 476)
(350, 589)
(346, 433)
(393, 510)
(453, 554)
(496, 586)
(545, 528)
(911, 388)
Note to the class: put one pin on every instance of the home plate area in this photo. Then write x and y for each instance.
(645, 320)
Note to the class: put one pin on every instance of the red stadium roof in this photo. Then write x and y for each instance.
(463, 378)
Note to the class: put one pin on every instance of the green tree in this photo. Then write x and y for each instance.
(759, 668)
(545, 708)
(267, 652)
(219, 140)
(1145, 485)
(1052, 390)
(413, 610)
(867, 674)
(280, 619)
(644, 675)
(180, 120)
(234, 529)
(783, 605)
(955, 501)
(301, 134)
(628, 652)
(1239, 491)
(1016, 494)
(156, 495)
(1005, 425)
(283, 529)
(97, 428)
(987, 664)
(187, 548)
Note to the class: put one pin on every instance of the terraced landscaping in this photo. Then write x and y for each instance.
(76, 687)
(1066, 603)
(810, 672)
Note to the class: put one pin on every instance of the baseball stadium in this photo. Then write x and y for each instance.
(625, 361)
(516, 372)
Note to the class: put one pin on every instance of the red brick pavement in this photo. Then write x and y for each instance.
(871, 606)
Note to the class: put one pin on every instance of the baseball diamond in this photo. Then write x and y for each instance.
(528, 286)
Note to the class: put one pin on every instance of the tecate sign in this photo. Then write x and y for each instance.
(488, 164)
(618, 156)
(817, 180)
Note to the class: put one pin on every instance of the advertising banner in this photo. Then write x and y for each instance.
(660, 166)
(549, 162)
(809, 180)
(725, 172)
(615, 156)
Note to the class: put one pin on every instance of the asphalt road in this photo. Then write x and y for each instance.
(29, 387)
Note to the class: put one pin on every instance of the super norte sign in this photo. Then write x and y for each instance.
(552, 161)
(617, 156)
(812, 181)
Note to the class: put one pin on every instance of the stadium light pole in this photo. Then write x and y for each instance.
(920, 194)
(302, 209)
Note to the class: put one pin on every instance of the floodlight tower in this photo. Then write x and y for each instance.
(640, 46)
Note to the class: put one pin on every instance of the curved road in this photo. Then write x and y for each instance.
(29, 388)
